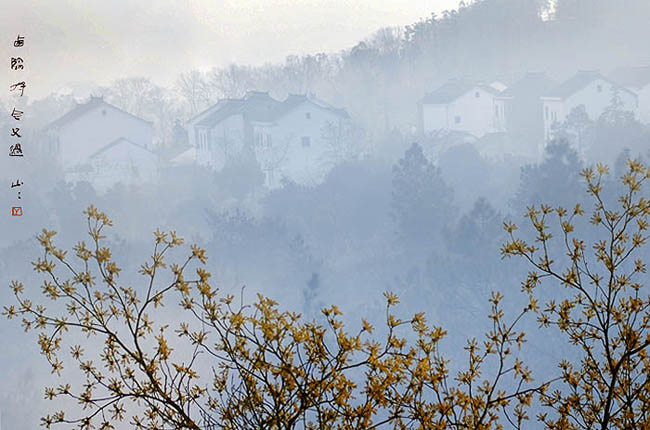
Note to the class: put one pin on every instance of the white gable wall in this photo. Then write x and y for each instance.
(436, 117)
(296, 149)
(220, 143)
(554, 110)
(86, 134)
(500, 113)
(191, 129)
(644, 104)
(596, 97)
(476, 113)
(472, 112)
(123, 162)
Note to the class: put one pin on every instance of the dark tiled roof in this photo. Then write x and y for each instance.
(294, 100)
(220, 102)
(327, 106)
(291, 102)
(81, 109)
(259, 106)
(578, 82)
(230, 107)
(255, 106)
(573, 84)
(453, 90)
(115, 142)
(632, 77)
(532, 85)
(447, 93)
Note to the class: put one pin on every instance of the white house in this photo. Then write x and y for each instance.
(97, 140)
(636, 79)
(123, 159)
(589, 89)
(295, 138)
(460, 106)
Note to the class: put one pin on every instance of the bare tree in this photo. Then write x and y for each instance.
(193, 88)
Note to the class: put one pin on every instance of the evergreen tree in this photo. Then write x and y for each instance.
(556, 179)
(421, 200)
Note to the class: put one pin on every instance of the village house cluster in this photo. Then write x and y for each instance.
(532, 105)
(296, 138)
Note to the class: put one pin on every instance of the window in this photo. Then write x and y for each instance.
(496, 111)
(270, 178)
(477, 94)
(457, 119)
(263, 140)
(554, 116)
(308, 115)
(306, 141)
(546, 112)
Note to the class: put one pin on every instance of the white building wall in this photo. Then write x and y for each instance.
(83, 136)
(201, 141)
(297, 149)
(554, 111)
(191, 125)
(472, 112)
(644, 104)
(435, 117)
(476, 111)
(595, 97)
(215, 146)
(123, 162)
(499, 115)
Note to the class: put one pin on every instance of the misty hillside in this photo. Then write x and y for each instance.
(332, 177)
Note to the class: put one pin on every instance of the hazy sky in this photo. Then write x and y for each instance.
(72, 41)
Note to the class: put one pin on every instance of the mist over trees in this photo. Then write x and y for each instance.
(419, 215)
